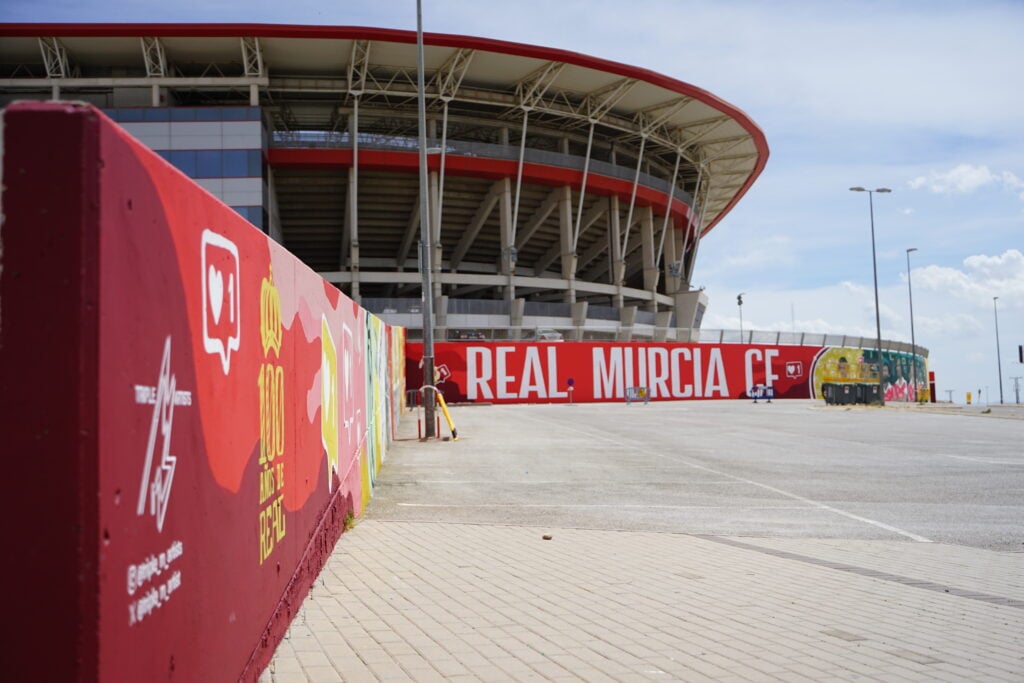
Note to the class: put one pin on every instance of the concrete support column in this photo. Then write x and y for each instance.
(254, 95)
(627, 318)
(648, 255)
(579, 319)
(662, 320)
(673, 243)
(507, 264)
(569, 259)
(515, 317)
(689, 310)
(617, 270)
(441, 317)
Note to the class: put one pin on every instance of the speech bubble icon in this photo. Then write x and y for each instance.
(329, 398)
(222, 297)
(794, 369)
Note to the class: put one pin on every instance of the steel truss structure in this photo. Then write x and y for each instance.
(554, 177)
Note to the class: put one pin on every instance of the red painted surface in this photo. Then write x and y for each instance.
(190, 437)
(478, 167)
(48, 409)
(409, 37)
(542, 372)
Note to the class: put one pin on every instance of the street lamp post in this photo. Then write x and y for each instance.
(913, 342)
(999, 361)
(874, 266)
(739, 302)
(425, 256)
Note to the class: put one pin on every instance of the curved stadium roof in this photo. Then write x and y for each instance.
(617, 129)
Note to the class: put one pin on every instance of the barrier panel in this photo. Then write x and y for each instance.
(191, 415)
(543, 372)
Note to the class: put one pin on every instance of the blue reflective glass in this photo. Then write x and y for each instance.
(156, 114)
(255, 163)
(209, 164)
(184, 161)
(183, 114)
(235, 163)
(130, 115)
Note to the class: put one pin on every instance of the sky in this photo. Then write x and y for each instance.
(923, 97)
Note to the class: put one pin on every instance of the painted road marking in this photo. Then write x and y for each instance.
(767, 487)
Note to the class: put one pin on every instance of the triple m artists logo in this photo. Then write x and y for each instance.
(158, 471)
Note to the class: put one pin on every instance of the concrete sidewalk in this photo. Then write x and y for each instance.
(444, 597)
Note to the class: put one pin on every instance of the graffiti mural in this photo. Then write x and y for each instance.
(242, 404)
(543, 372)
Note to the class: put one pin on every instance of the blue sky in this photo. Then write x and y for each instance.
(921, 97)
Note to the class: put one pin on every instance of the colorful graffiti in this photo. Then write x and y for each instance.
(900, 370)
(243, 406)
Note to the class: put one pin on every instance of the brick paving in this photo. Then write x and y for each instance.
(404, 600)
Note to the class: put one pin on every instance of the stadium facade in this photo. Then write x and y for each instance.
(565, 191)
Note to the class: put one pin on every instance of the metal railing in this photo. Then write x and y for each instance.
(472, 319)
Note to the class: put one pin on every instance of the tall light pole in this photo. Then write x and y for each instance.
(999, 361)
(428, 288)
(874, 266)
(739, 302)
(913, 343)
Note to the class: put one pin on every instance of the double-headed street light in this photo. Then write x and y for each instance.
(874, 265)
(739, 303)
(913, 343)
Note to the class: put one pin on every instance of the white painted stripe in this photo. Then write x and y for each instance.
(987, 461)
(526, 482)
(787, 494)
(573, 506)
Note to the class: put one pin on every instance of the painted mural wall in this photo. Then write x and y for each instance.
(557, 372)
(229, 409)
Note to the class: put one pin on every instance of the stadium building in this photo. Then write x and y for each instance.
(566, 192)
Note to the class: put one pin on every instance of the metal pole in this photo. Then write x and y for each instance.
(739, 303)
(874, 268)
(913, 343)
(999, 360)
(425, 256)
(878, 318)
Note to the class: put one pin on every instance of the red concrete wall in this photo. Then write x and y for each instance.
(185, 414)
(543, 372)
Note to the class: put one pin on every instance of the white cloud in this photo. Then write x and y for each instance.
(966, 178)
(953, 316)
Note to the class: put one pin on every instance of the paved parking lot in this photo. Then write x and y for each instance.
(682, 541)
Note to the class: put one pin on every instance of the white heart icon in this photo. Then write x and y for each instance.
(215, 288)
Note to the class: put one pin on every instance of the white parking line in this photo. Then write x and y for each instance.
(787, 494)
(987, 461)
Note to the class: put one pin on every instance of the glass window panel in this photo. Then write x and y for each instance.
(183, 114)
(156, 114)
(184, 161)
(235, 163)
(209, 163)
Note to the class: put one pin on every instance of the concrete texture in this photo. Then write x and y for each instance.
(688, 541)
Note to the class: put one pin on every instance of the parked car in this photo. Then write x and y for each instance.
(467, 335)
(548, 335)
